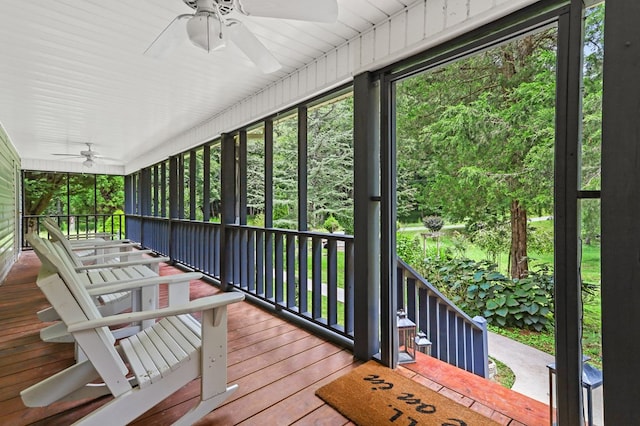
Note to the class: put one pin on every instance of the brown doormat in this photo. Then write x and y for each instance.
(373, 395)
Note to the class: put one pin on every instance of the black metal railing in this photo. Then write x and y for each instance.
(310, 275)
(455, 337)
(78, 226)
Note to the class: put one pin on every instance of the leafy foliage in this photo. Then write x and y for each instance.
(53, 193)
(408, 248)
(331, 224)
(479, 289)
(476, 136)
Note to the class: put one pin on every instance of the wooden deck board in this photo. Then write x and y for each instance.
(277, 365)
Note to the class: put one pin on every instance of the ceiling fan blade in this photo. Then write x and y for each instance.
(69, 155)
(173, 35)
(303, 10)
(252, 47)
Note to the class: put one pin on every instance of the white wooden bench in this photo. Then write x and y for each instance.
(162, 358)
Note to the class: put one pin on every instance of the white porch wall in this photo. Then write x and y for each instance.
(9, 204)
(424, 24)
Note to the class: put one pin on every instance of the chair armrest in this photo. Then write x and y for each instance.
(115, 255)
(94, 245)
(198, 305)
(145, 261)
(136, 283)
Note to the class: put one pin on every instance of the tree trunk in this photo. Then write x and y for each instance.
(518, 255)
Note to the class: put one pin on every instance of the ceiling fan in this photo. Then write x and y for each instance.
(88, 154)
(215, 22)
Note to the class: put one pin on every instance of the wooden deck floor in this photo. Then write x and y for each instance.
(277, 365)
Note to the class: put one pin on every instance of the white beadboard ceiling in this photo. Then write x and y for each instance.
(72, 71)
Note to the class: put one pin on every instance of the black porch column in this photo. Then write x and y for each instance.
(228, 207)
(568, 301)
(366, 142)
(620, 208)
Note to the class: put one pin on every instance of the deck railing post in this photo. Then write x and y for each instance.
(481, 349)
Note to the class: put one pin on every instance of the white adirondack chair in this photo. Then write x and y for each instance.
(162, 358)
(103, 257)
(100, 284)
(103, 238)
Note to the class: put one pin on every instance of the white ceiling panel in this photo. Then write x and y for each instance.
(73, 71)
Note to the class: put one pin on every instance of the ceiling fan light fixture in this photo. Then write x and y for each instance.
(88, 162)
(205, 32)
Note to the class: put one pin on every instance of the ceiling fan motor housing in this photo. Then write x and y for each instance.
(224, 6)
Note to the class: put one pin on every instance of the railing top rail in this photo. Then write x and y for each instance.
(64, 216)
(325, 235)
(422, 281)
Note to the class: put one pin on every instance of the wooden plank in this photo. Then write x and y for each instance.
(298, 405)
(277, 365)
(323, 416)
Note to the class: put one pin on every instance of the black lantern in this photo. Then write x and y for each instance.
(422, 343)
(406, 339)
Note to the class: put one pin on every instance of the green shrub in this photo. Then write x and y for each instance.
(408, 248)
(479, 289)
(118, 224)
(331, 224)
(433, 223)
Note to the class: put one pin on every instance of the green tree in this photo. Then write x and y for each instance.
(330, 162)
(40, 189)
(484, 130)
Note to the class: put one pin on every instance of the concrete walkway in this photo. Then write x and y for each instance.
(530, 368)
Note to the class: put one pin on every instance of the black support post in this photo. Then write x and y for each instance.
(388, 271)
(268, 173)
(206, 179)
(129, 190)
(173, 186)
(228, 202)
(193, 180)
(620, 206)
(568, 302)
(156, 188)
(366, 217)
(181, 189)
(163, 189)
(145, 191)
(242, 171)
(303, 273)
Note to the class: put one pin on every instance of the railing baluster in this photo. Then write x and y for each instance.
(243, 265)
(316, 278)
(332, 283)
(411, 299)
(348, 287)
(291, 284)
(268, 265)
(303, 274)
(260, 272)
(279, 268)
(461, 361)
